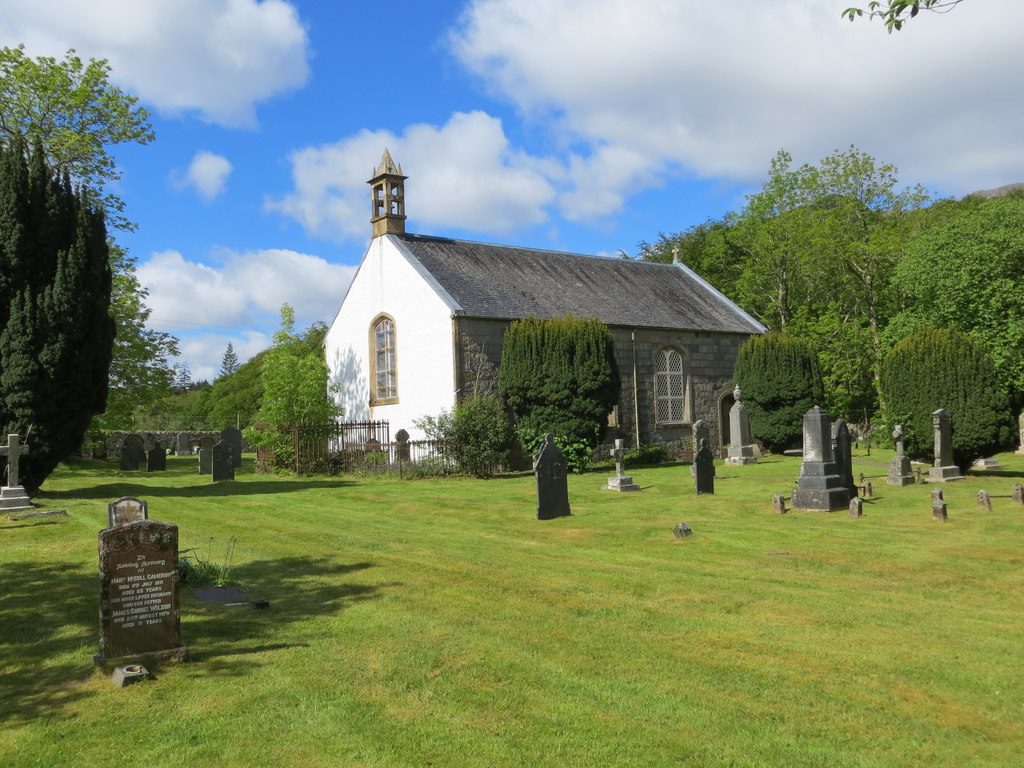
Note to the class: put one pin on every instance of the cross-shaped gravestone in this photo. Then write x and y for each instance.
(621, 481)
(13, 451)
(618, 452)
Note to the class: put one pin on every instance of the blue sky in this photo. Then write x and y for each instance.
(580, 125)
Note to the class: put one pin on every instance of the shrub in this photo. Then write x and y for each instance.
(644, 455)
(578, 453)
(560, 376)
(780, 379)
(936, 368)
(477, 435)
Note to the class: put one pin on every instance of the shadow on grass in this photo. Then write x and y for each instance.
(983, 473)
(49, 625)
(242, 487)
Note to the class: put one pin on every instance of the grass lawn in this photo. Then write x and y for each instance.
(439, 623)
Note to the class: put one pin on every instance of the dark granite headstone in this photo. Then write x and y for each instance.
(402, 447)
(133, 451)
(233, 437)
(126, 510)
(222, 462)
(843, 455)
(700, 430)
(704, 461)
(205, 461)
(819, 485)
(182, 444)
(552, 484)
(139, 592)
(156, 459)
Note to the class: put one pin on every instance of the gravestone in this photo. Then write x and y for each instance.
(1018, 494)
(621, 481)
(12, 494)
(704, 461)
(939, 511)
(701, 431)
(936, 494)
(552, 484)
(856, 507)
(1020, 431)
(944, 470)
(156, 459)
(205, 461)
(181, 444)
(900, 472)
(819, 485)
(779, 504)
(222, 462)
(402, 447)
(139, 592)
(990, 463)
(233, 438)
(126, 510)
(843, 455)
(133, 451)
(984, 501)
(740, 449)
(681, 530)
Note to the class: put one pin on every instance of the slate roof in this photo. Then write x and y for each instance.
(508, 282)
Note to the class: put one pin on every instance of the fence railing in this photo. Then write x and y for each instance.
(345, 447)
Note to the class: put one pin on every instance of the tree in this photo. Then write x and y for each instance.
(70, 108)
(560, 376)
(896, 13)
(780, 380)
(936, 368)
(295, 386)
(476, 434)
(965, 272)
(235, 398)
(55, 335)
(229, 363)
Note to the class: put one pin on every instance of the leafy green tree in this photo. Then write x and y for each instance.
(780, 379)
(936, 368)
(965, 272)
(560, 376)
(896, 13)
(477, 434)
(55, 334)
(229, 363)
(235, 398)
(70, 108)
(295, 385)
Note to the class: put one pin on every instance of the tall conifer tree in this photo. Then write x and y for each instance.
(55, 331)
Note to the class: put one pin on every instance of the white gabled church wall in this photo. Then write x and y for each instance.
(388, 283)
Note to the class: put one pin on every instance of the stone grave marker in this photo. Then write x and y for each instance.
(704, 461)
(552, 484)
(181, 444)
(843, 454)
(621, 481)
(1020, 431)
(990, 463)
(984, 501)
(1018, 494)
(126, 510)
(139, 592)
(222, 462)
(900, 472)
(233, 437)
(402, 449)
(156, 459)
(701, 430)
(205, 461)
(944, 470)
(779, 504)
(12, 494)
(939, 512)
(133, 450)
(819, 485)
(682, 530)
(740, 449)
(856, 507)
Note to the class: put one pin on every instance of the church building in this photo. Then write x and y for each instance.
(423, 320)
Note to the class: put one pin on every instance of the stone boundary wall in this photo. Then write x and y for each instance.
(107, 445)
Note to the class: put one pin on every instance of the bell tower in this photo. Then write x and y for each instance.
(387, 198)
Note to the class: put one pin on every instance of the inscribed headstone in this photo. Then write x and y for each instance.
(843, 454)
(900, 472)
(205, 461)
(944, 470)
(701, 431)
(156, 459)
(1020, 430)
(133, 451)
(233, 438)
(139, 591)
(740, 449)
(181, 444)
(222, 462)
(125, 510)
(552, 483)
(12, 494)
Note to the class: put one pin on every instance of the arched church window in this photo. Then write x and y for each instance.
(384, 376)
(669, 387)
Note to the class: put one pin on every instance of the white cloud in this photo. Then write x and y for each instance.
(640, 88)
(241, 289)
(207, 173)
(218, 58)
(467, 175)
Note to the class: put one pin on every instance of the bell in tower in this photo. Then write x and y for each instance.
(387, 198)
